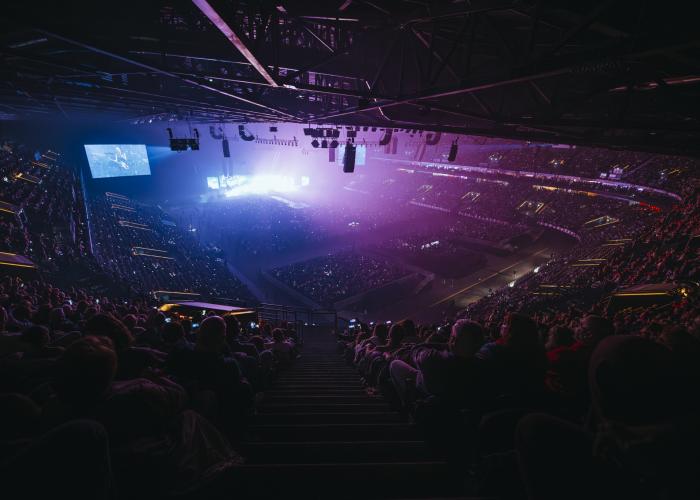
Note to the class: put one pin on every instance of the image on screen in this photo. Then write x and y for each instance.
(117, 160)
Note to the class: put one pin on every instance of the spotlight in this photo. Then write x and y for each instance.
(334, 144)
(273, 129)
(324, 144)
(314, 143)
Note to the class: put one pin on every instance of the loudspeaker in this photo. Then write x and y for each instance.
(349, 158)
(244, 136)
(453, 152)
(216, 132)
(331, 155)
(394, 145)
(224, 146)
(386, 138)
(433, 138)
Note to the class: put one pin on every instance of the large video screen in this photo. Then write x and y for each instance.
(117, 160)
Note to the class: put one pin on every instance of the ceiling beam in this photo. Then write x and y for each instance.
(232, 37)
(161, 71)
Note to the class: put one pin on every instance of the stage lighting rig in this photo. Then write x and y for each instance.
(323, 134)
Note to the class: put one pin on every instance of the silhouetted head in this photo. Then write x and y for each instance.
(278, 335)
(36, 336)
(106, 325)
(86, 371)
(172, 332)
(559, 336)
(380, 332)
(632, 380)
(396, 335)
(212, 334)
(592, 329)
(233, 327)
(520, 331)
(466, 338)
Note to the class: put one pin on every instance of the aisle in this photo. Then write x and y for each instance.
(319, 435)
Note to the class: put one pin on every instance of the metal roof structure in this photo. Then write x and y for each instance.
(600, 72)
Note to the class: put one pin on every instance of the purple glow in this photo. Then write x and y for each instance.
(244, 185)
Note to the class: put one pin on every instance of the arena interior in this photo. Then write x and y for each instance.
(349, 249)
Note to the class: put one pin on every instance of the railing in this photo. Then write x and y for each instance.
(301, 317)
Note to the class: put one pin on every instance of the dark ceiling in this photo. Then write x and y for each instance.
(612, 73)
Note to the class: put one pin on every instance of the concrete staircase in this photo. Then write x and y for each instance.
(320, 435)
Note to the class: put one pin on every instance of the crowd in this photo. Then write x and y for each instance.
(535, 390)
(532, 409)
(331, 278)
(140, 246)
(46, 223)
(541, 387)
(133, 403)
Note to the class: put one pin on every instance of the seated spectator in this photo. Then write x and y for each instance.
(282, 348)
(58, 321)
(394, 339)
(516, 362)
(157, 447)
(559, 336)
(36, 341)
(174, 338)
(133, 361)
(206, 368)
(568, 365)
(233, 337)
(453, 375)
(643, 444)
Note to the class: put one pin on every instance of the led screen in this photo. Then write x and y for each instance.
(117, 160)
(213, 182)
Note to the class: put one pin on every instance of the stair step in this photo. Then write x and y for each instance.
(337, 452)
(332, 370)
(316, 384)
(331, 432)
(329, 418)
(284, 391)
(350, 379)
(367, 406)
(322, 398)
(348, 480)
